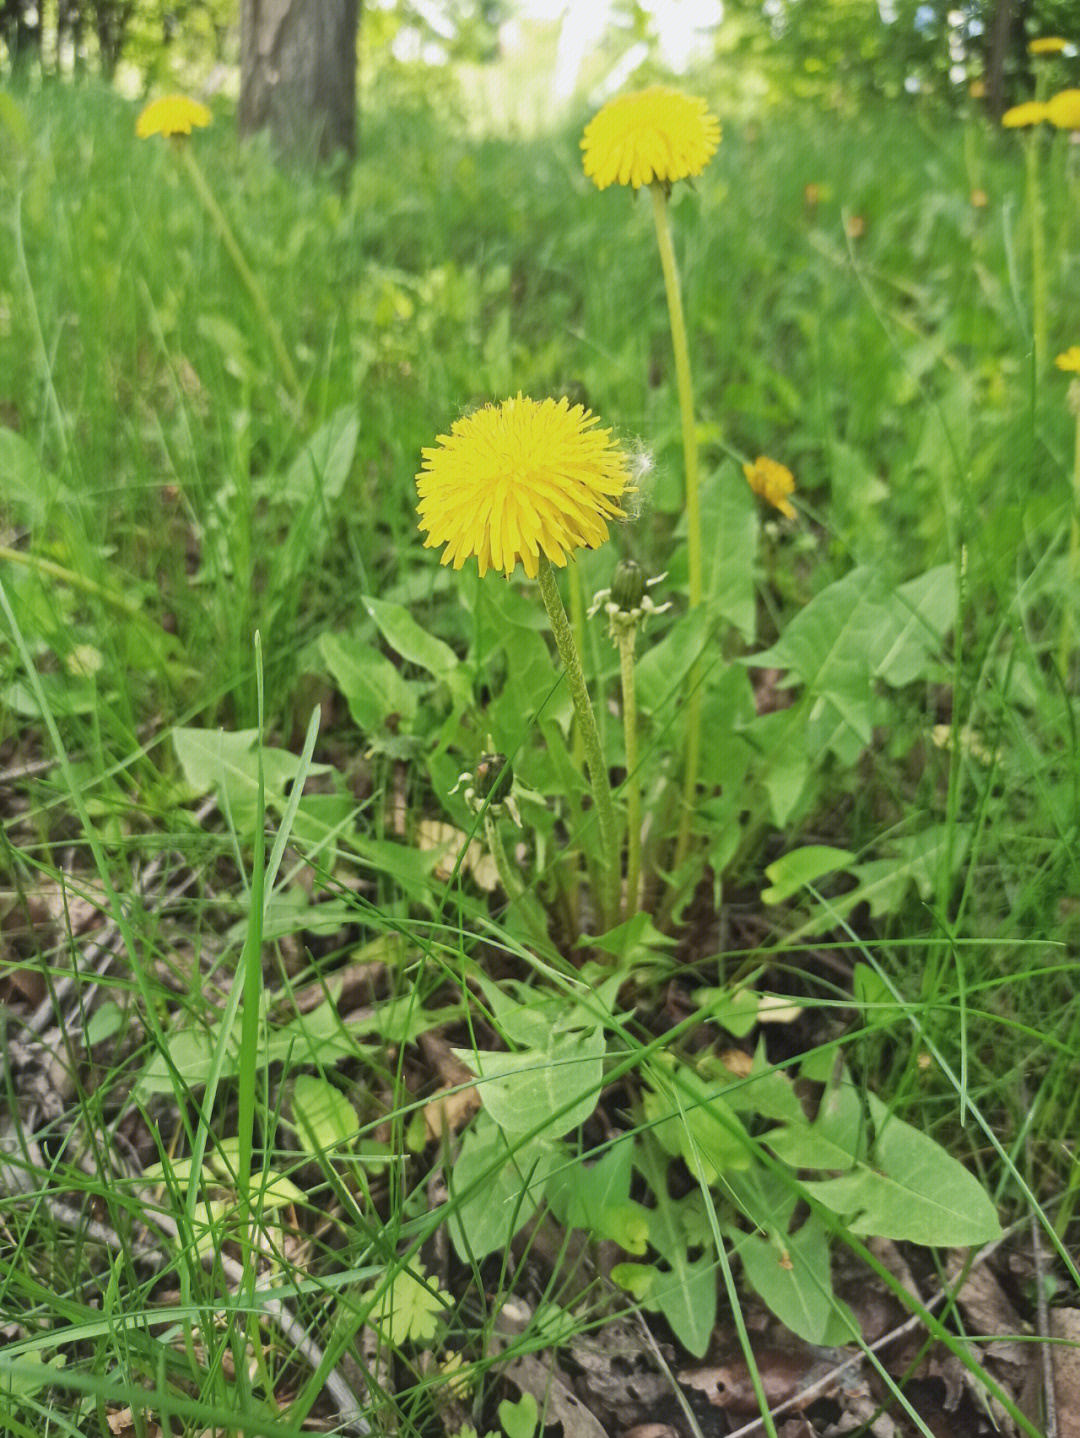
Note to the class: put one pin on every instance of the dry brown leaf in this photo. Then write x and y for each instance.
(554, 1398)
(1065, 1326)
(988, 1310)
(449, 1111)
(435, 834)
(121, 1422)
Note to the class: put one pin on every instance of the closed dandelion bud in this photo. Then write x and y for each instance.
(628, 585)
(493, 778)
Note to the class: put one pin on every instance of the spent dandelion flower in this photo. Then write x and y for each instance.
(655, 135)
(519, 480)
(171, 115)
(1063, 110)
(1031, 112)
(773, 482)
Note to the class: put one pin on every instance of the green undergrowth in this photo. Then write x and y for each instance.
(851, 1015)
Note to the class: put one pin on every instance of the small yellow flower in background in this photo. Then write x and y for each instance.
(773, 482)
(1063, 110)
(655, 134)
(1048, 45)
(1070, 360)
(1031, 112)
(977, 89)
(518, 479)
(172, 115)
(979, 199)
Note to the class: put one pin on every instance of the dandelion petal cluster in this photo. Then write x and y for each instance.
(171, 115)
(656, 134)
(519, 479)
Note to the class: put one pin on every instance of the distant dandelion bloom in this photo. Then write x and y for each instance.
(1070, 360)
(979, 199)
(172, 115)
(773, 482)
(519, 479)
(1031, 112)
(977, 89)
(1047, 45)
(655, 134)
(1063, 110)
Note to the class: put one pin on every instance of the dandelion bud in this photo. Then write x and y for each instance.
(493, 778)
(628, 585)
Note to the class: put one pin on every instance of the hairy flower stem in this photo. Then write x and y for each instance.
(633, 780)
(693, 505)
(243, 269)
(590, 738)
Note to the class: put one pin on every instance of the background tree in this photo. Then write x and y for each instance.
(298, 74)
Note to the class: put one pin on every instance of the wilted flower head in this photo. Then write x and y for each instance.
(655, 134)
(519, 479)
(1047, 45)
(171, 115)
(773, 482)
(1070, 360)
(1031, 112)
(1063, 110)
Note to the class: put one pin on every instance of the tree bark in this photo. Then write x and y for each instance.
(298, 74)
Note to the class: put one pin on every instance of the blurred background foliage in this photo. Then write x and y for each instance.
(838, 50)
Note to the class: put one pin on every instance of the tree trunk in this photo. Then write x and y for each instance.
(298, 74)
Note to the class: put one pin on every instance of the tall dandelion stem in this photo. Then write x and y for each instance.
(590, 738)
(684, 383)
(1038, 251)
(258, 295)
(633, 781)
(693, 505)
(1065, 639)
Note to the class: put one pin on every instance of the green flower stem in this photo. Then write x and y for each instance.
(1038, 249)
(524, 902)
(693, 505)
(685, 386)
(1065, 639)
(633, 780)
(243, 269)
(590, 738)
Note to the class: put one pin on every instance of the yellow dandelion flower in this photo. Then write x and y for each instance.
(1063, 110)
(1031, 112)
(655, 134)
(172, 115)
(519, 479)
(1048, 45)
(773, 482)
(977, 89)
(1070, 360)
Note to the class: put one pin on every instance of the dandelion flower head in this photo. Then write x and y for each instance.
(1063, 110)
(519, 479)
(1070, 360)
(1047, 45)
(773, 482)
(171, 115)
(655, 134)
(1031, 112)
